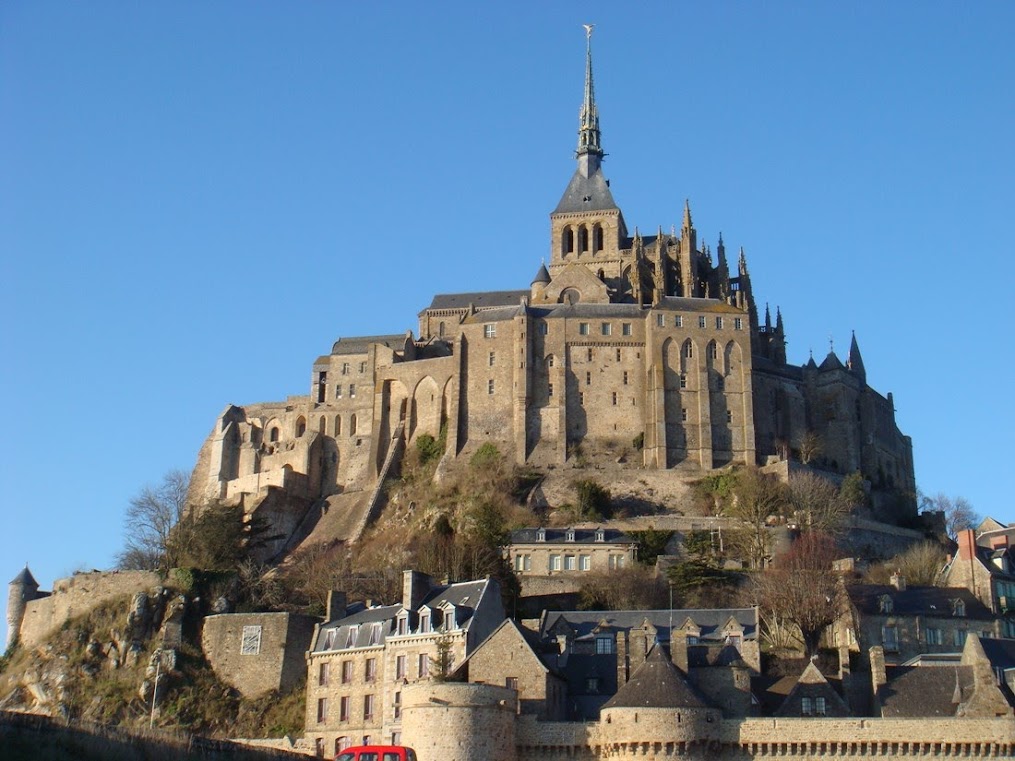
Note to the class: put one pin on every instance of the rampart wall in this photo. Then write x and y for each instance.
(77, 595)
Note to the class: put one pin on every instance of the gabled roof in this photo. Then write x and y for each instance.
(586, 194)
(559, 536)
(812, 684)
(656, 683)
(479, 299)
(709, 621)
(916, 601)
(914, 691)
(831, 362)
(361, 344)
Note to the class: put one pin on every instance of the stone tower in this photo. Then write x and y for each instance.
(22, 589)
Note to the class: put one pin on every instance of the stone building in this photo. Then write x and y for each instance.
(568, 551)
(621, 339)
(985, 565)
(362, 657)
(257, 652)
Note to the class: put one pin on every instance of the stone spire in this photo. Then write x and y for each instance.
(590, 150)
(854, 361)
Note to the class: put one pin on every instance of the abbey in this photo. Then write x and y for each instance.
(643, 347)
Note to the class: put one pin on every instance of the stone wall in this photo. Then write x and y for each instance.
(459, 722)
(77, 595)
(278, 662)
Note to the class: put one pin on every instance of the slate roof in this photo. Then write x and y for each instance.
(710, 622)
(559, 536)
(25, 578)
(812, 684)
(687, 304)
(831, 362)
(479, 299)
(914, 691)
(350, 631)
(586, 194)
(360, 344)
(656, 683)
(1000, 652)
(542, 276)
(916, 601)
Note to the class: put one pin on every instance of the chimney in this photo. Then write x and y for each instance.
(678, 649)
(336, 605)
(639, 647)
(415, 586)
(898, 581)
(879, 676)
(622, 671)
(967, 544)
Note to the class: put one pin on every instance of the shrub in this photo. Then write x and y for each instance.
(486, 456)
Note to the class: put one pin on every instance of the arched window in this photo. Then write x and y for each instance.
(273, 434)
(567, 241)
(352, 425)
(301, 426)
(323, 426)
(583, 239)
(601, 274)
(440, 329)
(688, 350)
(338, 425)
(597, 238)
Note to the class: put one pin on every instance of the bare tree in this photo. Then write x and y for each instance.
(816, 503)
(811, 447)
(757, 497)
(801, 590)
(958, 511)
(920, 565)
(151, 516)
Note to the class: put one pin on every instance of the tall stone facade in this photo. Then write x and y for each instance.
(621, 339)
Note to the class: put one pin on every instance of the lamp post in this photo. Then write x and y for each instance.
(155, 687)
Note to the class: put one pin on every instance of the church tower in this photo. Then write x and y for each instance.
(587, 227)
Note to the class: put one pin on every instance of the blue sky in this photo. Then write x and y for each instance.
(197, 199)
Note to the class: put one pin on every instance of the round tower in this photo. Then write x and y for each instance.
(456, 721)
(22, 589)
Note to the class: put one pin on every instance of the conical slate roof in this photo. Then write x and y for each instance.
(25, 579)
(656, 683)
(543, 276)
(586, 194)
(831, 362)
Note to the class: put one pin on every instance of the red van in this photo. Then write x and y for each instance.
(377, 753)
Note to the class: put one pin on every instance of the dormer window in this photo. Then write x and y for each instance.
(958, 608)
(885, 604)
(541, 535)
(600, 535)
(329, 639)
(570, 535)
(424, 622)
(402, 625)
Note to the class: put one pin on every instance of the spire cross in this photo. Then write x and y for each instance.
(831, 345)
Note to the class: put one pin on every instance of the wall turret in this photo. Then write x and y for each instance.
(21, 590)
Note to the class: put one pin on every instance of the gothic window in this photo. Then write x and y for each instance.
(583, 239)
(597, 238)
(567, 241)
(301, 426)
(322, 386)
(323, 425)
(440, 329)
(352, 425)
(338, 425)
(688, 350)
(713, 351)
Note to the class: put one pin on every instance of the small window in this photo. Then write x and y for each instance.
(718, 323)
(581, 397)
(396, 737)
(569, 563)
(343, 708)
(362, 367)
(958, 608)
(490, 330)
(489, 386)
(688, 350)
(625, 377)
(806, 707)
(678, 321)
(660, 320)
(554, 562)
(345, 368)
(323, 671)
(589, 355)
(346, 672)
(890, 638)
(588, 379)
(885, 604)
(368, 707)
(370, 673)
(614, 398)
(819, 706)
(584, 563)
(738, 323)
(493, 358)
(511, 682)
(604, 645)
(683, 380)
(423, 665)
(701, 321)
(592, 685)
(729, 416)
(713, 351)
(606, 328)
(338, 391)
(549, 361)
(625, 328)
(549, 389)
(322, 710)
(683, 414)
(352, 390)
(583, 328)
(958, 637)
(250, 644)
(543, 329)
(934, 637)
